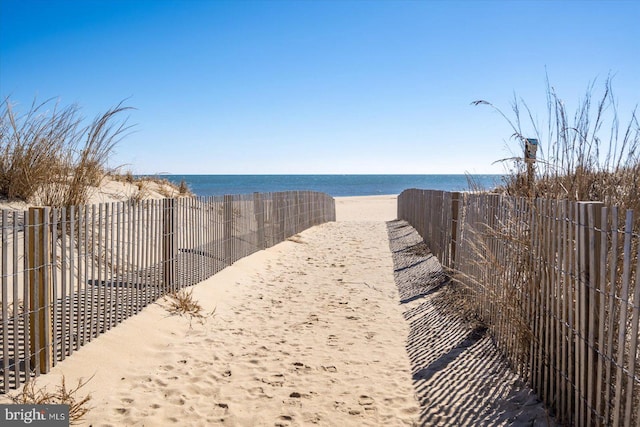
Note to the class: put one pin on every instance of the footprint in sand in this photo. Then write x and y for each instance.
(259, 392)
(276, 380)
(220, 409)
(179, 401)
(332, 340)
(366, 402)
(219, 412)
(301, 368)
(297, 395)
(283, 421)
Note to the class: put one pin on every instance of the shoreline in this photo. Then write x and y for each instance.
(366, 208)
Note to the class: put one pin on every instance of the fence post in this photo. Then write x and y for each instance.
(455, 218)
(278, 217)
(40, 291)
(283, 215)
(296, 213)
(169, 244)
(258, 209)
(227, 220)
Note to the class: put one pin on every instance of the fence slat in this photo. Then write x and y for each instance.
(602, 292)
(624, 294)
(633, 346)
(53, 229)
(5, 300)
(611, 323)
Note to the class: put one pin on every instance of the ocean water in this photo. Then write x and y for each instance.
(334, 185)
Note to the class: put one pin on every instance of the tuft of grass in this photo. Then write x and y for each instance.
(182, 303)
(167, 188)
(78, 406)
(141, 193)
(183, 189)
(147, 184)
(47, 157)
(296, 238)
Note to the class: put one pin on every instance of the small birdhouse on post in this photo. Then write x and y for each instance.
(530, 148)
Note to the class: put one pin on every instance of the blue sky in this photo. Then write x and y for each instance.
(315, 86)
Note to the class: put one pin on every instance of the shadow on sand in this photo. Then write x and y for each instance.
(459, 375)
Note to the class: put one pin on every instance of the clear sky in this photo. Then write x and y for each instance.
(315, 86)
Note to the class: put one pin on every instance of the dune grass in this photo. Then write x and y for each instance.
(48, 157)
(182, 303)
(589, 155)
(31, 394)
(162, 185)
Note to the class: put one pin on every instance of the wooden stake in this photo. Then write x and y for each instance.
(39, 290)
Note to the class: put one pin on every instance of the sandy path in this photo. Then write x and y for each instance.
(307, 332)
(314, 340)
(460, 376)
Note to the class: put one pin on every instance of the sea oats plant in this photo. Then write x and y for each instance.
(584, 156)
(47, 157)
(78, 406)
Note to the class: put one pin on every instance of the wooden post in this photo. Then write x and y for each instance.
(39, 289)
(227, 232)
(168, 244)
(530, 148)
(258, 208)
(297, 211)
(455, 227)
(282, 202)
(276, 218)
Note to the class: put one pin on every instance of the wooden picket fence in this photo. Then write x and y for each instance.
(558, 285)
(69, 275)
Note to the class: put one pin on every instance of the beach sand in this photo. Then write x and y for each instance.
(308, 332)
